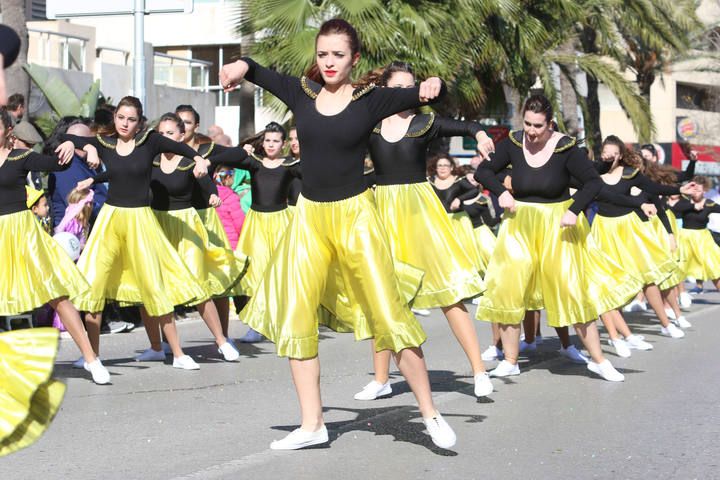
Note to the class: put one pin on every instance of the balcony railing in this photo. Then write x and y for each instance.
(70, 53)
(182, 72)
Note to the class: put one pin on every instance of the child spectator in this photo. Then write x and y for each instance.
(77, 215)
(230, 212)
(38, 204)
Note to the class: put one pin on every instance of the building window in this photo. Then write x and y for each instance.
(698, 97)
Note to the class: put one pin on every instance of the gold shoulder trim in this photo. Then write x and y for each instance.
(363, 91)
(564, 148)
(20, 156)
(290, 164)
(186, 167)
(143, 138)
(254, 155)
(424, 129)
(709, 203)
(106, 141)
(515, 140)
(209, 150)
(631, 175)
(369, 171)
(306, 88)
(482, 201)
(377, 129)
(156, 163)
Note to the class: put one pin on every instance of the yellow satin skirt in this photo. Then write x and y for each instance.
(678, 274)
(259, 238)
(422, 234)
(485, 241)
(348, 232)
(29, 397)
(635, 245)
(217, 270)
(537, 264)
(128, 259)
(214, 227)
(34, 268)
(702, 254)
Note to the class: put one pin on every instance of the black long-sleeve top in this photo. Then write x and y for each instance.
(462, 190)
(687, 174)
(404, 161)
(201, 197)
(13, 174)
(546, 184)
(174, 191)
(333, 146)
(269, 186)
(295, 184)
(692, 218)
(130, 175)
(631, 177)
(479, 213)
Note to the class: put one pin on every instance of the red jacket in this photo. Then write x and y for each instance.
(230, 214)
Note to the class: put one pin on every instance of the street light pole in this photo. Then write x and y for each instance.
(139, 51)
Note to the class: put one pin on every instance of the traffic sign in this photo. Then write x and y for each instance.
(94, 8)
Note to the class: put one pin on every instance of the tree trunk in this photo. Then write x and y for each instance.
(17, 80)
(593, 135)
(567, 93)
(514, 100)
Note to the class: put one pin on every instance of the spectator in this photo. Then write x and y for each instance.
(26, 136)
(38, 204)
(223, 140)
(16, 106)
(230, 213)
(60, 184)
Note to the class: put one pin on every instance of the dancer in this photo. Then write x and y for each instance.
(623, 236)
(216, 269)
(409, 210)
(127, 257)
(539, 238)
(336, 220)
(36, 270)
(701, 252)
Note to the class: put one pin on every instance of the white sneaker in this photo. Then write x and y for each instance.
(151, 355)
(672, 331)
(685, 300)
(505, 369)
(492, 353)
(300, 438)
(483, 385)
(574, 355)
(421, 311)
(606, 371)
(476, 301)
(621, 347)
(79, 363)
(166, 348)
(527, 347)
(638, 343)
(635, 306)
(670, 314)
(100, 374)
(441, 433)
(682, 322)
(186, 363)
(374, 390)
(228, 352)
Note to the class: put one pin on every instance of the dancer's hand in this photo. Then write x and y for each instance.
(471, 178)
(92, 159)
(485, 145)
(649, 209)
(507, 201)
(214, 201)
(455, 204)
(688, 188)
(673, 243)
(85, 184)
(569, 219)
(430, 89)
(231, 74)
(65, 152)
(249, 149)
(201, 167)
(507, 183)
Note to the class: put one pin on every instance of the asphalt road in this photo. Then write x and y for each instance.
(555, 420)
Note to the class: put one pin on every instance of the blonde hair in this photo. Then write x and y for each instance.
(75, 196)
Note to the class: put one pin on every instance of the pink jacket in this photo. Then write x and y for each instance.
(230, 214)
